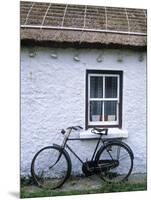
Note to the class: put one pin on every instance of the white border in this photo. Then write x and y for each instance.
(9, 101)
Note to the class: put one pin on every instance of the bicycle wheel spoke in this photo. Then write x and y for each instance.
(123, 156)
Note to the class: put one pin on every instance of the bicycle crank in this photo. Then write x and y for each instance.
(89, 167)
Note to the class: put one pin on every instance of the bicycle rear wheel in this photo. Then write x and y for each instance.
(50, 167)
(115, 162)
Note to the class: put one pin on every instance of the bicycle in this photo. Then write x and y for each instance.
(113, 161)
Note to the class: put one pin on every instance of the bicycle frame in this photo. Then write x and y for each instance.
(65, 145)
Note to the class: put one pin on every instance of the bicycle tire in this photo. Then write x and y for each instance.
(114, 167)
(47, 171)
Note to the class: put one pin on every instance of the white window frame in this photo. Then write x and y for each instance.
(103, 99)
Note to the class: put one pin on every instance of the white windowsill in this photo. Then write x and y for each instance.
(112, 133)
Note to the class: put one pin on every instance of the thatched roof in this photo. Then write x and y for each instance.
(61, 23)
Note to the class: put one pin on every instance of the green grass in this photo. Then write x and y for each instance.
(28, 192)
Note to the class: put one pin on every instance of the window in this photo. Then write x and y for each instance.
(103, 98)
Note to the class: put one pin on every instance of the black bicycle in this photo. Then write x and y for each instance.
(113, 161)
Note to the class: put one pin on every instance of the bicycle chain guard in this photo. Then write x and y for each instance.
(90, 167)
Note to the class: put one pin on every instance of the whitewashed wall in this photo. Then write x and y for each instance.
(53, 97)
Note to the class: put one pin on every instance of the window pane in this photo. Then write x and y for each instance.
(110, 87)
(110, 109)
(96, 87)
(95, 111)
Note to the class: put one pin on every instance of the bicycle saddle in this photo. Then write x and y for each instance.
(99, 131)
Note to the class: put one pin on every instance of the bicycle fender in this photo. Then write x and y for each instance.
(58, 147)
(129, 149)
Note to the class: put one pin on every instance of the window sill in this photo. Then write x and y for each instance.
(112, 133)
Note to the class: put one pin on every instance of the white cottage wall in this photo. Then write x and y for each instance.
(53, 97)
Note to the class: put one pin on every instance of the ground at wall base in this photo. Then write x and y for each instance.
(86, 185)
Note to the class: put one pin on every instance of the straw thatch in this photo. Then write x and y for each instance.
(129, 25)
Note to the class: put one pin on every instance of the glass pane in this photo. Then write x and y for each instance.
(110, 111)
(96, 87)
(110, 87)
(95, 111)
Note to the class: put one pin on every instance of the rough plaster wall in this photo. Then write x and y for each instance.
(53, 97)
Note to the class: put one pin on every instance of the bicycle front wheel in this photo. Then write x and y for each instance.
(115, 162)
(50, 167)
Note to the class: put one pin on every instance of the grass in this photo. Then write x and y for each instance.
(33, 191)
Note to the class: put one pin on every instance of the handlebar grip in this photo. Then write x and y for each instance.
(72, 127)
(80, 127)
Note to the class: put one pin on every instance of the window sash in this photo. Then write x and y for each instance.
(104, 99)
(103, 75)
(103, 122)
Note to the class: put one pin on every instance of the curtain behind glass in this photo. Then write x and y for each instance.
(110, 87)
(96, 87)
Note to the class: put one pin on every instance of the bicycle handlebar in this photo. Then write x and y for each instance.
(75, 127)
(71, 127)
